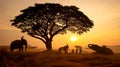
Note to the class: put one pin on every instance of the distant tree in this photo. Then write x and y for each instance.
(44, 21)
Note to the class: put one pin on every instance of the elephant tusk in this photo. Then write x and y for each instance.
(89, 45)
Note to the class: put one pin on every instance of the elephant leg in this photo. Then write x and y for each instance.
(11, 50)
(19, 49)
(59, 50)
(25, 48)
(65, 50)
(22, 49)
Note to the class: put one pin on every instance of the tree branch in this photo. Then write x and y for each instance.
(51, 28)
(59, 30)
(37, 37)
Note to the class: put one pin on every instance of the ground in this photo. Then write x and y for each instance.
(55, 59)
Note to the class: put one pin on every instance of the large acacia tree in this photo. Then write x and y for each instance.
(44, 21)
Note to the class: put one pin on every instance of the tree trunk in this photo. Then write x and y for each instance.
(49, 45)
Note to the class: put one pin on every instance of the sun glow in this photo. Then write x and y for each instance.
(73, 38)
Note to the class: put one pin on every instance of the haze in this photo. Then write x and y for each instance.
(104, 13)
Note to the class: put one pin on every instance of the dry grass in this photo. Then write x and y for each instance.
(54, 59)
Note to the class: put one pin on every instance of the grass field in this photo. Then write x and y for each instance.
(55, 59)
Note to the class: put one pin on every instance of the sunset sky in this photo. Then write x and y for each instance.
(104, 13)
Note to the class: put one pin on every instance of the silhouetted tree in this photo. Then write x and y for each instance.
(44, 21)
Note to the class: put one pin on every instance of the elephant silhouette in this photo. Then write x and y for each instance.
(18, 44)
(64, 49)
(101, 50)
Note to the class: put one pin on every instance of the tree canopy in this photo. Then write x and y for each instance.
(44, 21)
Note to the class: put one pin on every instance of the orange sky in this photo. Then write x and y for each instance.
(104, 13)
